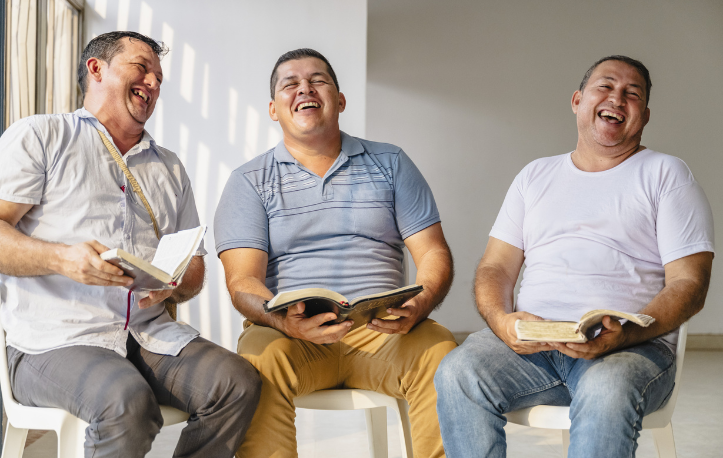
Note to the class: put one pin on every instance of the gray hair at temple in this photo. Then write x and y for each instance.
(628, 60)
(107, 46)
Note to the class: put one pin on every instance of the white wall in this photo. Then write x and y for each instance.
(213, 110)
(474, 90)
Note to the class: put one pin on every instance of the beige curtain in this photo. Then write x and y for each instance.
(22, 47)
(42, 83)
(62, 57)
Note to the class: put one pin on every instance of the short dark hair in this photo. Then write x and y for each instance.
(300, 54)
(628, 60)
(106, 46)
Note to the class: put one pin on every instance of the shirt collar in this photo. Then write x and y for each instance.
(147, 142)
(350, 146)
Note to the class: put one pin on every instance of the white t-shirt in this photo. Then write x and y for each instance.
(600, 239)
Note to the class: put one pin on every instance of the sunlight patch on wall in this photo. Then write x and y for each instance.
(252, 133)
(273, 137)
(232, 115)
(225, 308)
(187, 67)
(205, 311)
(204, 91)
(200, 184)
(101, 7)
(167, 38)
(158, 128)
(124, 10)
(183, 143)
(146, 21)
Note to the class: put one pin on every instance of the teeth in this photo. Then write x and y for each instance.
(141, 95)
(611, 115)
(307, 104)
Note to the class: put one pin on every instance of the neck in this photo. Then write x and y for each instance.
(601, 158)
(315, 153)
(126, 134)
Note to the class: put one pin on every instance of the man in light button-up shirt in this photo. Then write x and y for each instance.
(63, 201)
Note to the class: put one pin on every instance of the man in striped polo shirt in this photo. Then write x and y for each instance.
(324, 209)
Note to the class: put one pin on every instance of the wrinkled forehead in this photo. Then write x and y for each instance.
(136, 48)
(301, 68)
(619, 71)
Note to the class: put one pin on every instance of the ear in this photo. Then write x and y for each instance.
(576, 98)
(94, 66)
(646, 117)
(342, 102)
(272, 111)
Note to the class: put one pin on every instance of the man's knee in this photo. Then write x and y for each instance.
(134, 408)
(236, 383)
(266, 348)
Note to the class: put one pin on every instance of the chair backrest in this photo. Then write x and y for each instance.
(667, 410)
(7, 393)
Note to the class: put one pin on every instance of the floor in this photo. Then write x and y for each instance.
(698, 423)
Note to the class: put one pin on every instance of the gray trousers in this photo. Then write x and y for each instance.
(119, 397)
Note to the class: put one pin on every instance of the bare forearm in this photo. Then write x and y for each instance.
(435, 272)
(23, 256)
(494, 293)
(192, 283)
(673, 306)
(248, 296)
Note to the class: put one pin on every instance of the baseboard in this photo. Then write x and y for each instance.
(695, 342)
(704, 342)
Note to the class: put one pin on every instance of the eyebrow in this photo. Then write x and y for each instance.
(630, 84)
(287, 78)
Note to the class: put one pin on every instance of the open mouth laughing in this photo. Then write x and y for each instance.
(142, 95)
(611, 116)
(307, 105)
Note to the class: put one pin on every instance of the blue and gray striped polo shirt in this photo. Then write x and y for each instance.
(344, 231)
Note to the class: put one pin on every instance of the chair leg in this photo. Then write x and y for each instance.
(377, 431)
(71, 438)
(14, 443)
(565, 442)
(405, 430)
(664, 441)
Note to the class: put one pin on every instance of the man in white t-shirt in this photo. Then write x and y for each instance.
(611, 225)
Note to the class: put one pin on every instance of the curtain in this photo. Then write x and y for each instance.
(42, 43)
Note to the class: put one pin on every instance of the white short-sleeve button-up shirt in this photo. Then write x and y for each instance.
(59, 164)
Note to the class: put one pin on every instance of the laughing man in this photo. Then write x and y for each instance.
(63, 201)
(324, 209)
(611, 225)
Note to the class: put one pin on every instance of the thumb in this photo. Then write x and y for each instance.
(296, 309)
(610, 323)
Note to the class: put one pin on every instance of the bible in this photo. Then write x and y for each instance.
(361, 310)
(170, 262)
(571, 331)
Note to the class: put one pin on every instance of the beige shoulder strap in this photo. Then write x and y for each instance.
(134, 184)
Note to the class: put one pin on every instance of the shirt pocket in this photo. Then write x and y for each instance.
(373, 212)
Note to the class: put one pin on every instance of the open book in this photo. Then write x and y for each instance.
(571, 331)
(172, 257)
(361, 309)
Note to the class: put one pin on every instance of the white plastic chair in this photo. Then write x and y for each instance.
(554, 417)
(375, 407)
(70, 429)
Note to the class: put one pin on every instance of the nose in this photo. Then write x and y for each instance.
(151, 80)
(616, 97)
(305, 87)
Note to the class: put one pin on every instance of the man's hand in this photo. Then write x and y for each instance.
(81, 262)
(154, 297)
(298, 326)
(409, 315)
(611, 338)
(504, 328)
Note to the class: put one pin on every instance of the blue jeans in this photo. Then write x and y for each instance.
(482, 379)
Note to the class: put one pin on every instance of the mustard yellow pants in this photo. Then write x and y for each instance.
(401, 366)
